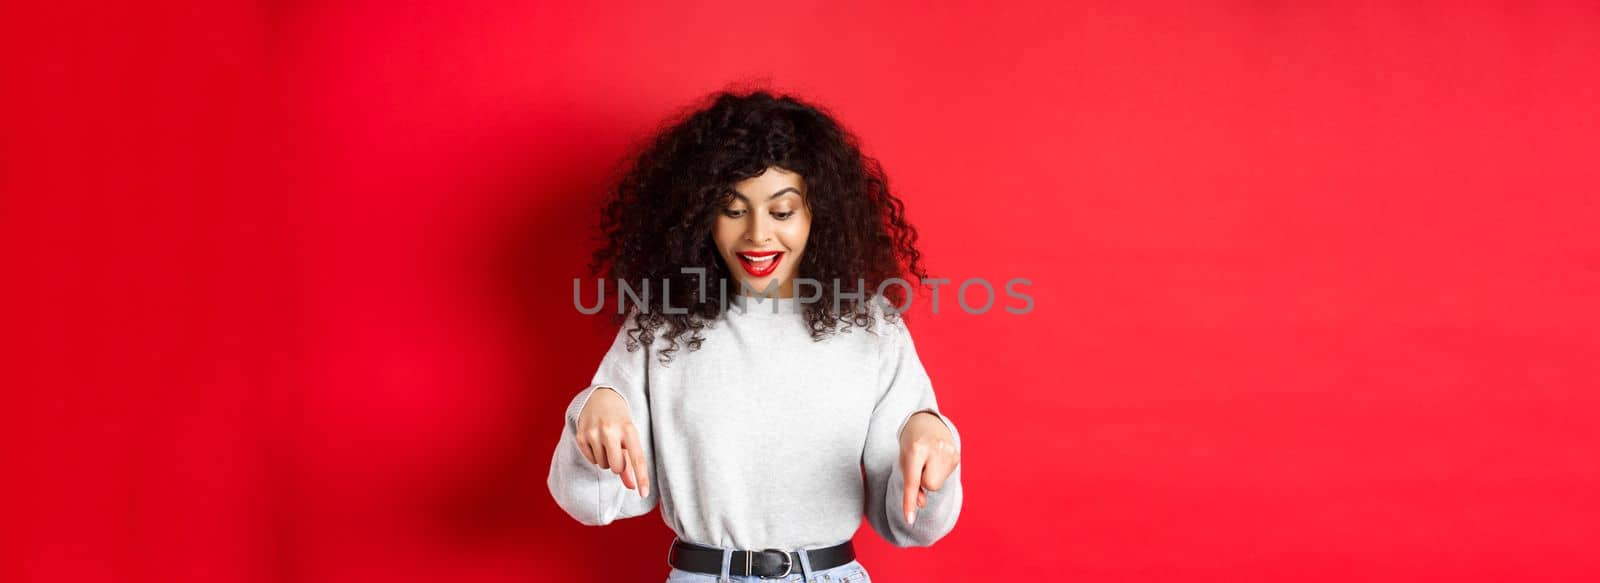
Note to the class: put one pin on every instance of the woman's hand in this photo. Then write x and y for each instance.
(927, 456)
(607, 438)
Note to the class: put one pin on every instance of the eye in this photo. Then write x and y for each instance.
(733, 213)
(783, 215)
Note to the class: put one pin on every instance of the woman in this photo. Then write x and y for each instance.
(756, 437)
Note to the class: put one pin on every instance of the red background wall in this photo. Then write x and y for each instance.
(287, 284)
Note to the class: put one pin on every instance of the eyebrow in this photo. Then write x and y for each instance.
(774, 195)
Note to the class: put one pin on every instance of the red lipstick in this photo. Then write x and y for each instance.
(762, 267)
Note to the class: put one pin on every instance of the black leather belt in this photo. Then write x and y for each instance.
(769, 563)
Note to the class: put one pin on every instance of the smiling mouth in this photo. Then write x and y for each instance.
(760, 263)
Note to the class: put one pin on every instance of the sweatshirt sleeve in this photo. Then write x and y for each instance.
(590, 494)
(907, 392)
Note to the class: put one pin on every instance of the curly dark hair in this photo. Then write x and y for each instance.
(659, 215)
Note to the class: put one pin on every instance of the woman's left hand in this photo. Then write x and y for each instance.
(927, 456)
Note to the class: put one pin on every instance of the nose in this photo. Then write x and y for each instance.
(759, 231)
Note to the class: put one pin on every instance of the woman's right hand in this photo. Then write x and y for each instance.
(608, 439)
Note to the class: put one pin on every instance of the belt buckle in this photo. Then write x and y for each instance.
(788, 563)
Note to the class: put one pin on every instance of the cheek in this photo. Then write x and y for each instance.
(797, 233)
(723, 236)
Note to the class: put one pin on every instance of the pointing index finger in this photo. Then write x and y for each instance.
(641, 470)
(911, 468)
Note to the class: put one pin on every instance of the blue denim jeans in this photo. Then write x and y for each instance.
(851, 572)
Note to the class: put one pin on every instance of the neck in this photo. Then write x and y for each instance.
(785, 290)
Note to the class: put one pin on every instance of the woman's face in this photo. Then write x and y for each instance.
(762, 233)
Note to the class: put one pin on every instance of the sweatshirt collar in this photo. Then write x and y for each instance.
(763, 306)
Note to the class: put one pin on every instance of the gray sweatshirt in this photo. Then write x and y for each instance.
(759, 439)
